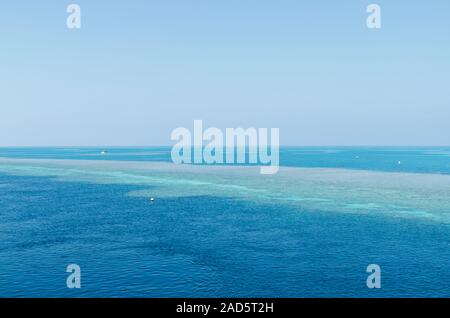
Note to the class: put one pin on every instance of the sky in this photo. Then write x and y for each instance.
(136, 70)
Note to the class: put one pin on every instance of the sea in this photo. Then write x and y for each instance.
(311, 230)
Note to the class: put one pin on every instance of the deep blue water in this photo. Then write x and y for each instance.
(207, 246)
(204, 246)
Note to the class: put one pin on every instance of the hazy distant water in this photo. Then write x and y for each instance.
(224, 231)
(417, 159)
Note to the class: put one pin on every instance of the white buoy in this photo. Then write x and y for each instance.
(152, 199)
(103, 152)
(399, 162)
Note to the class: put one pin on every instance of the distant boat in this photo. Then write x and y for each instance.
(104, 152)
(152, 199)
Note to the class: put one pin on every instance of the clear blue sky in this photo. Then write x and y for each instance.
(138, 69)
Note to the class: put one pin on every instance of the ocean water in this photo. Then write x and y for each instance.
(227, 231)
(418, 159)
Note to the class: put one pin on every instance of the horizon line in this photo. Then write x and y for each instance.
(169, 146)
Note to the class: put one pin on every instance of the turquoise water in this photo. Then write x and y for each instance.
(418, 159)
(308, 231)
